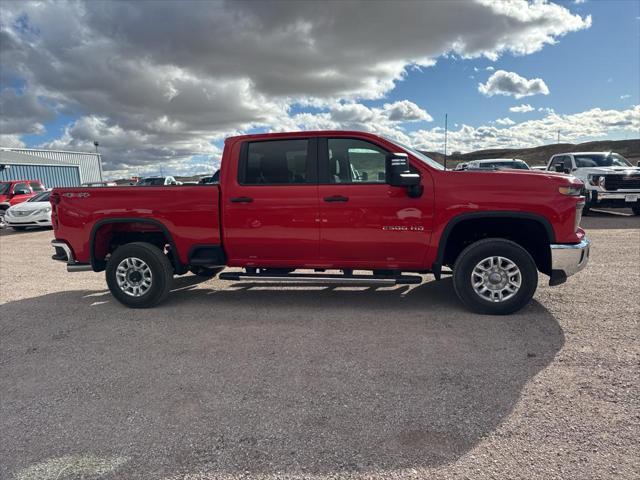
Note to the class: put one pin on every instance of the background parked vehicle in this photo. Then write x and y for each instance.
(610, 180)
(157, 181)
(215, 178)
(539, 167)
(14, 192)
(100, 184)
(35, 212)
(496, 164)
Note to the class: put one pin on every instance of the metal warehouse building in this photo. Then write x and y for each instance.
(54, 168)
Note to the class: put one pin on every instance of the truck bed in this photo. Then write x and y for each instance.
(188, 214)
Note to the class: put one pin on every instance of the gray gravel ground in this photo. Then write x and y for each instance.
(227, 381)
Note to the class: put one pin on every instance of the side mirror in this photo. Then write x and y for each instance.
(639, 164)
(398, 174)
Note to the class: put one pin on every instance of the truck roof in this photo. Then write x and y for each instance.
(583, 153)
(305, 133)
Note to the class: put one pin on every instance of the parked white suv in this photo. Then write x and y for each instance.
(609, 179)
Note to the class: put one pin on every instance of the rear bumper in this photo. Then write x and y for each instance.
(568, 259)
(65, 254)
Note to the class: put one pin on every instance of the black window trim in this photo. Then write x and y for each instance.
(323, 160)
(312, 163)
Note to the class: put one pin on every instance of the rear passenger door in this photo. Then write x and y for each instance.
(270, 204)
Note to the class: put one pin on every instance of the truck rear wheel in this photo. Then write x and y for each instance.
(495, 276)
(139, 275)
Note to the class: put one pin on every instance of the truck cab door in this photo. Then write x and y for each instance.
(365, 222)
(20, 193)
(270, 203)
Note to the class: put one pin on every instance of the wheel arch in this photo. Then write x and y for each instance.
(496, 221)
(98, 264)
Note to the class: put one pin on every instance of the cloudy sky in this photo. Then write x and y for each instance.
(162, 83)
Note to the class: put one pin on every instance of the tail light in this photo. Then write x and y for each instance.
(54, 200)
(579, 207)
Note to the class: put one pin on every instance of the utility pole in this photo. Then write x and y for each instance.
(96, 144)
(446, 115)
(558, 136)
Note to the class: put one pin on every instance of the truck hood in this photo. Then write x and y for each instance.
(29, 206)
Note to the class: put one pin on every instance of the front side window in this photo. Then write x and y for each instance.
(356, 161)
(19, 186)
(36, 187)
(275, 162)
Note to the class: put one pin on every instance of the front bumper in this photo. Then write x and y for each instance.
(568, 259)
(65, 254)
(30, 220)
(619, 198)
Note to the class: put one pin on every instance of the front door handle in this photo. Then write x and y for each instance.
(242, 200)
(336, 198)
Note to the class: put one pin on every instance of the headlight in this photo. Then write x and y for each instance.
(596, 180)
(9, 213)
(573, 190)
(43, 210)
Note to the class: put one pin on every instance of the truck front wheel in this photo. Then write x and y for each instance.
(139, 275)
(495, 276)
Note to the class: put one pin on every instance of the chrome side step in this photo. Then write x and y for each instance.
(309, 278)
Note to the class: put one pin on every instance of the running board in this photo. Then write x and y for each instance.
(310, 278)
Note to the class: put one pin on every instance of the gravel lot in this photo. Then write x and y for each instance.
(227, 381)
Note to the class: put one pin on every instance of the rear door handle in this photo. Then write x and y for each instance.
(242, 200)
(336, 198)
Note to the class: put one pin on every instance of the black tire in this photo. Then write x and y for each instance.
(482, 249)
(19, 229)
(206, 271)
(636, 209)
(2, 220)
(161, 274)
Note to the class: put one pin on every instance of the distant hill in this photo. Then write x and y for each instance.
(630, 149)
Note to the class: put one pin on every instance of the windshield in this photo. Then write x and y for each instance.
(419, 155)
(601, 160)
(4, 188)
(41, 197)
(151, 181)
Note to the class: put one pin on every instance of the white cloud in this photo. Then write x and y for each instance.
(167, 88)
(588, 125)
(489, 69)
(624, 97)
(505, 121)
(523, 108)
(546, 110)
(512, 84)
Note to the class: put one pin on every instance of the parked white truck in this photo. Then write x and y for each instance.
(610, 181)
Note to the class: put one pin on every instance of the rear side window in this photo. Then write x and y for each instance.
(36, 187)
(275, 162)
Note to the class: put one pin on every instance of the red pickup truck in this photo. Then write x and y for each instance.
(330, 201)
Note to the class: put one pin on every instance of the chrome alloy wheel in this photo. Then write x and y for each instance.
(134, 276)
(496, 279)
